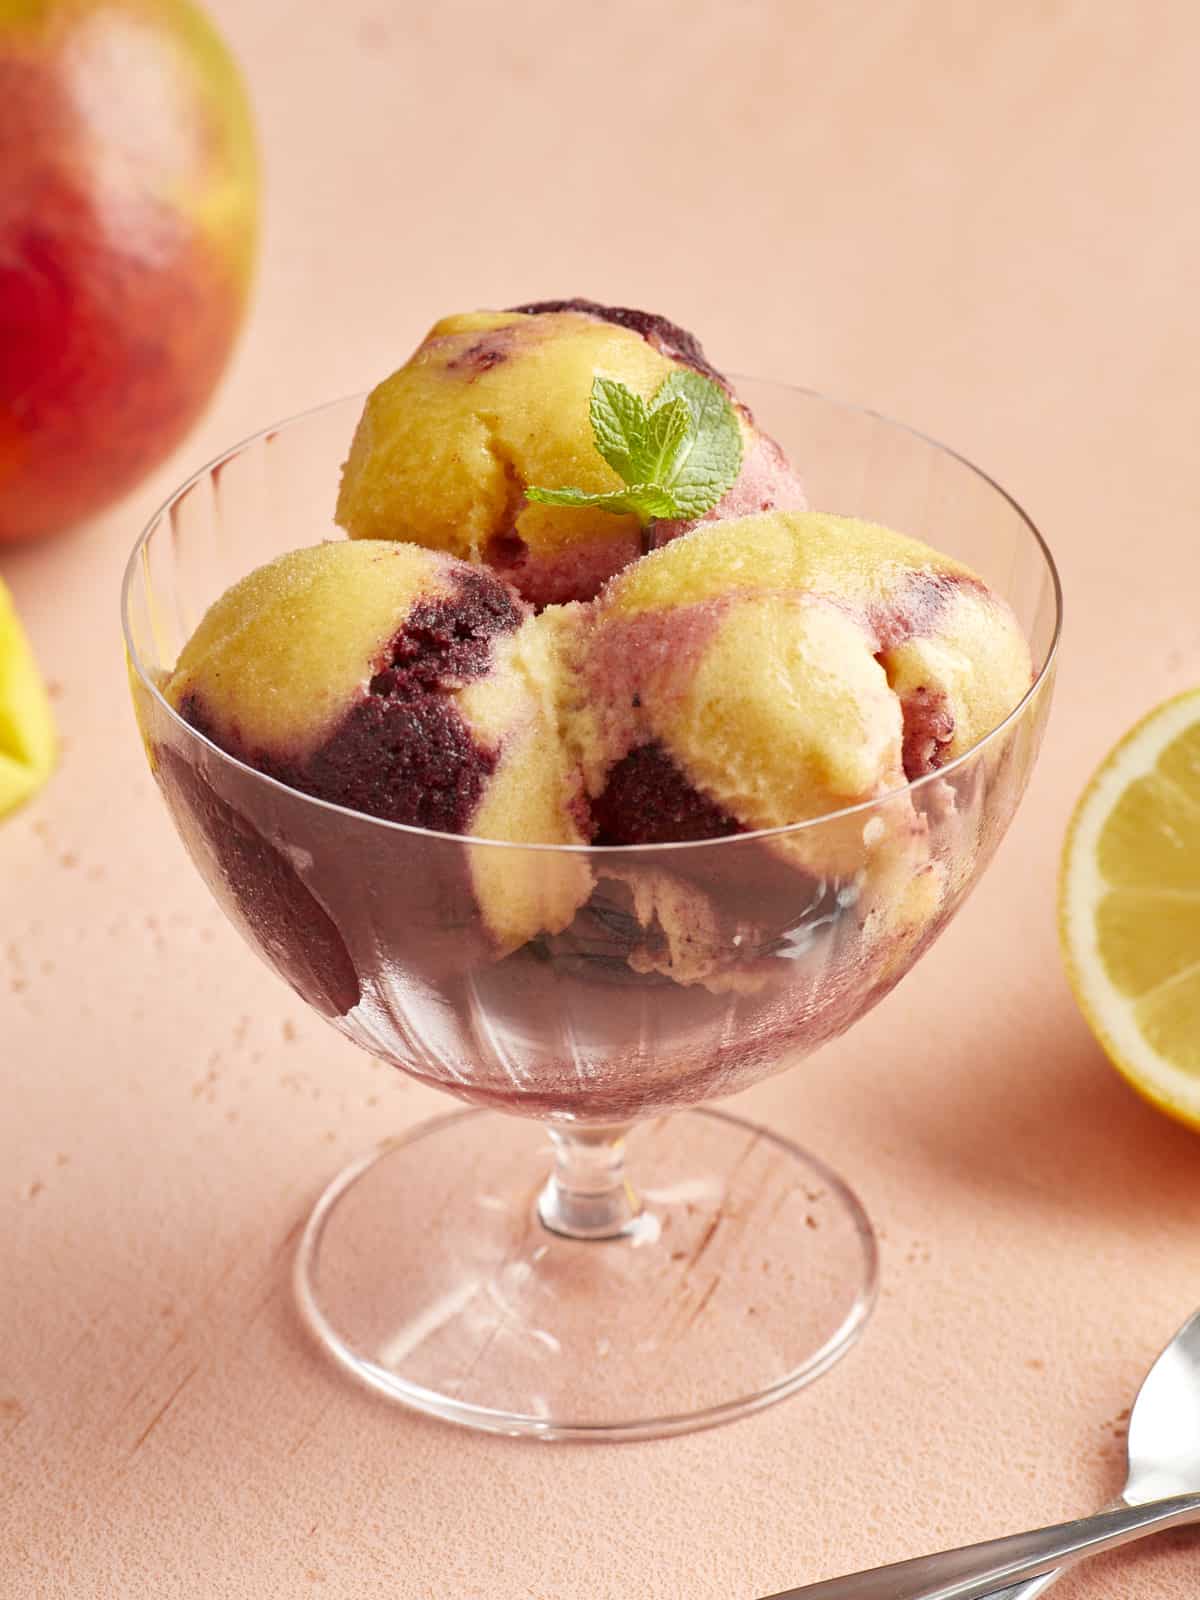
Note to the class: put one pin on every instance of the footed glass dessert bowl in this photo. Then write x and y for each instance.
(586, 1252)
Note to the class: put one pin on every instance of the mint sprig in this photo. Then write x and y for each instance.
(676, 455)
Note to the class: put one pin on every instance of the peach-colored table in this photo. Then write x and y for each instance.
(979, 218)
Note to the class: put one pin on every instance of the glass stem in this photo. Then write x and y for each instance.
(588, 1194)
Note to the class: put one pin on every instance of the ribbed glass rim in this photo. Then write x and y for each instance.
(809, 824)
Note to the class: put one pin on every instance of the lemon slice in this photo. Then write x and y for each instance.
(1129, 906)
(26, 724)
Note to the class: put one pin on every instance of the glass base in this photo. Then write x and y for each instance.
(748, 1269)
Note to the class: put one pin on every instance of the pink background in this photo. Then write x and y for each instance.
(981, 219)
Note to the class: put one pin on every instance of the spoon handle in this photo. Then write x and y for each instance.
(1032, 1587)
(1028, 1590)
(974, 1572)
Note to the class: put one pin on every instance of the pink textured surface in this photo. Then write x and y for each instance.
(983, 227)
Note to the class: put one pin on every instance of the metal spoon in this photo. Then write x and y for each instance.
(1162, 1491)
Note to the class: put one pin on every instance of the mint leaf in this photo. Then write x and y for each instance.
(677, 456)
(711, 463)
(618, 424)
(567, 497)
(649, 502)
(668, 436)
(645, 501)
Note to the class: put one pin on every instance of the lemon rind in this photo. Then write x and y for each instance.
(1109, 1014)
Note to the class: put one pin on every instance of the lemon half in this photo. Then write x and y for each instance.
(1129, 906)
(27, 742)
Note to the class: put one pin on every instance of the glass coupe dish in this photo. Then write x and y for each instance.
(649, 1267)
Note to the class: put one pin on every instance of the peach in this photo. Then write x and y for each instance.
(128, 220)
